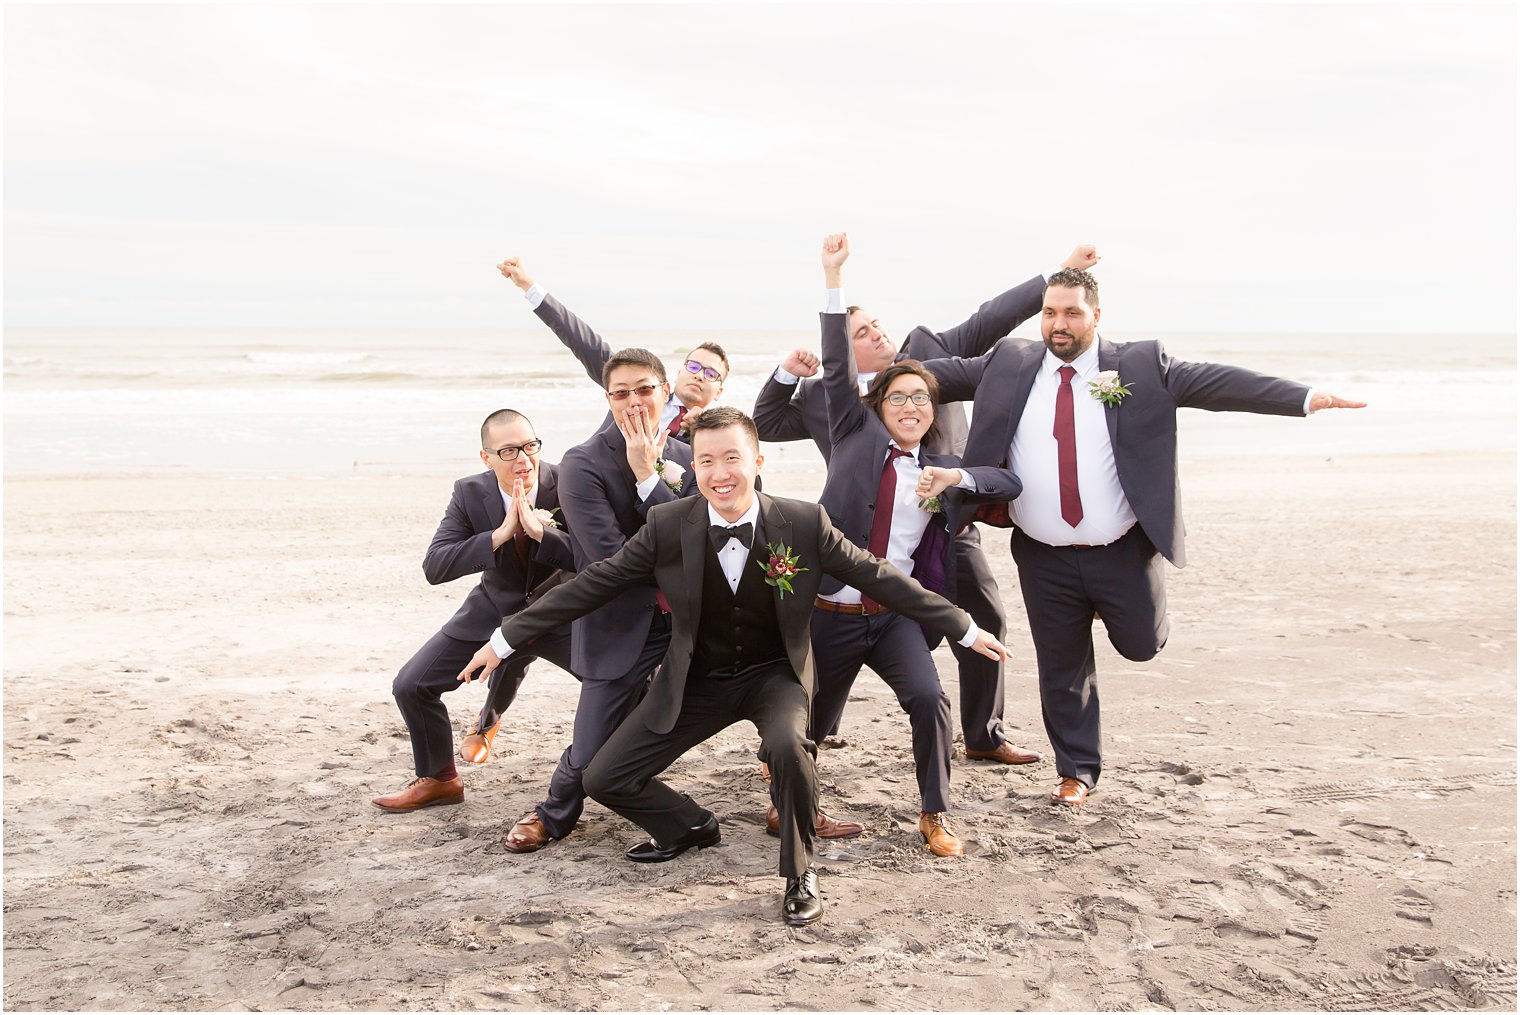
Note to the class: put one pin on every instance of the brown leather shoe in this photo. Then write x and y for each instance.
(935, 828)
(528, 836)
(1070, 793)
(476, 746)
(1007, 754)
(423, 792)
(824, 827)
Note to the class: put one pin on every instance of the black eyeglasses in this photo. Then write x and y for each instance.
(621, 395)
(918, 398)
(510, 452)
(692, 366)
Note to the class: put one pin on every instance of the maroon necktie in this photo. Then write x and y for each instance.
(1066, 449)
(521, 539)
(674, 429)
(881, 522)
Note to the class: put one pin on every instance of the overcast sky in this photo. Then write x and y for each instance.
(1246, 168)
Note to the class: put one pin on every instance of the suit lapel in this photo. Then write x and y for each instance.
(776, 528)
(694, 550)
(1029, 369)
(1108, 359)
(617, 452)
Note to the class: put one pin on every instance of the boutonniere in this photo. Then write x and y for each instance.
(1108, 389)
(670, 474)
(547, 517)
(780, 567)
(930, 504)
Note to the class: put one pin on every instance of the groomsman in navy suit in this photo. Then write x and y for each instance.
(1090, 428)
(791, 407)
(606, 485)
(698, 383)
(500, 525)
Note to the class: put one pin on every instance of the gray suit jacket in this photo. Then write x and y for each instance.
(671, 550)
(1142, 427)
(794, 412)
(462, 546)
(602, 512)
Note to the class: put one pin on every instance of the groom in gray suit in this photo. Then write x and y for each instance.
(1090, 428)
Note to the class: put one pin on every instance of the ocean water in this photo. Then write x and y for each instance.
(401, 402)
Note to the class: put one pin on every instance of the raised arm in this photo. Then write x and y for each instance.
(841, 382)
(583, 342)
(957, 377)
(997, 317)
(778, 408)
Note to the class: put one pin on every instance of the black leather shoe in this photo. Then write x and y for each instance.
(802, 905)
(704, 835)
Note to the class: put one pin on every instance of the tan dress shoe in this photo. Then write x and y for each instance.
(423, 792)
(476, 746)
(1070, 793)
(1006, 753)
(529, 835)
(935, 828)
(824, 827)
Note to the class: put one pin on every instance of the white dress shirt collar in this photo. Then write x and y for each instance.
(752, 516)
(1086, 364)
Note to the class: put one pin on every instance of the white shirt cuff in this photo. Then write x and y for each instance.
(499, 645)
(646, 487)
(967, 482)
(1309, 400)
(833, 301)
(969, 638)
(534, 295)
(785, 376)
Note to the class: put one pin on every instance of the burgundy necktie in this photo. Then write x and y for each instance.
(674, 429)
(521, 539)
(881, 521)
(1066, 449)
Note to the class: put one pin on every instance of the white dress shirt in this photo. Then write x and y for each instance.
(535, 294)
(1106, 514)
(733, 554)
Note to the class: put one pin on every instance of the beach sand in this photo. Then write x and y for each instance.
(1309, 799)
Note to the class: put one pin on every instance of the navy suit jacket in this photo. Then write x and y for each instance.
(462, 546)
(671, 551)
(589, 349)
(1142, 427)
(603, 511)
(794, 412)
(860, 440)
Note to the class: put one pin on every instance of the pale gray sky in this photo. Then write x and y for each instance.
(1244, 168)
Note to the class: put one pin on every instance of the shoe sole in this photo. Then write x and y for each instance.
(987, 757)
(775, 833)
(417, 807)
(792, 921)
(1072, 803)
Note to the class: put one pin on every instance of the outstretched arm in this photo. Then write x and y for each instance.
(1220, 388)
(1001, 314)
(582, 341)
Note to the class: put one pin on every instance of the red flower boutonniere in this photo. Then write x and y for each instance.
(780, 568)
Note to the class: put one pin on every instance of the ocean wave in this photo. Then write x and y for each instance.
(305, 359)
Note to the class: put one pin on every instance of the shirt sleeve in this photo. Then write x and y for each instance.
(534, 295)
(967, 640)
(968, 482)
(833, 301)
(785, 376)
(499, 645)
(1309, 400)
(646, 486)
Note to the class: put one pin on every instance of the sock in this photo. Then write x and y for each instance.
(445, 774)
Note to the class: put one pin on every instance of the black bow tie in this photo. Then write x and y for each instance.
(721, 534)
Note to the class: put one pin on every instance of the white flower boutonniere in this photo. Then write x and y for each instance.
(930, 504)
(1108, 389)
(546, 517)
(670, 474)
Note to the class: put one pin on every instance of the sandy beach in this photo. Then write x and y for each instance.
(1309, 799)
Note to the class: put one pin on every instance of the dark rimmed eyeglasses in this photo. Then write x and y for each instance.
(693, 367)
(621, 394)
(509, 452)
(918, 398)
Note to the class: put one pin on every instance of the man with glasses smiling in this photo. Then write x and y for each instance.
(495, 526)
(698, 384)
(607, 484)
